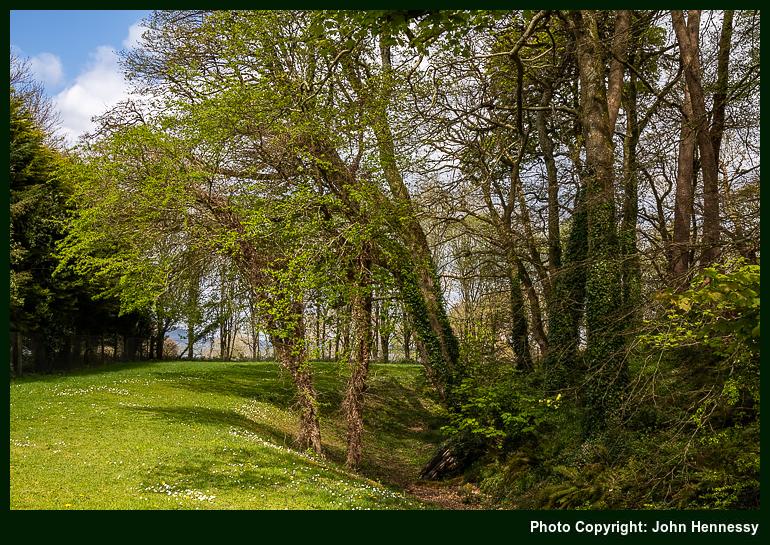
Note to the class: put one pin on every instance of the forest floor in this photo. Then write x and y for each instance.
(215, 435)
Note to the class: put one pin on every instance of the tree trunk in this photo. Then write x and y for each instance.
(407, 336)
(630, 268)
(519, 337)
(324, 355)
(361, 313)
(720, 95)
(687, 36)
(538, 332)
(190, 339)
(129, 348)
(546, 146)
(384, 329)
(604, 347)
(317, 324)
(375, 345)
(336, 336)
(385, 347)
(569, 300)
(291, 354)
(159, 346)
(420, 286)
(683, 202)
(620, 40)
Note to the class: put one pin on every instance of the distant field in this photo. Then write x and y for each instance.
(210, 435)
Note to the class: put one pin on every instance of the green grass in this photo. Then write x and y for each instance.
(210, 435)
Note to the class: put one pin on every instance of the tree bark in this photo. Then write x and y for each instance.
(630, 268)
(538, 333)
(683, 202)
(290, 351)
(620, 41)
(361, 311)
(569, 302)
(407, 330)
(384, 330)
(687, 36)
(546, 146)
(427, 304)
(519, 336)
(604, 343)
(286, 330)
(720, 95)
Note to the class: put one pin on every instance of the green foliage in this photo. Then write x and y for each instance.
(46, 307)
(36, 213)
(720, 311)
(498, 407)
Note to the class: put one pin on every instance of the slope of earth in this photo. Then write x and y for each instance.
(211, 435)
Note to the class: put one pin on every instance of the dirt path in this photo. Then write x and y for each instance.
(447, 495)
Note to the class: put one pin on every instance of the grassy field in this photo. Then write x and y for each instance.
(210, 435)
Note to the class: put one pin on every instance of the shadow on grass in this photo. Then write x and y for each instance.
(399, 419)
(260, 467)
(265, 382)
(206, 470)
(221, 419)
(105, 368)
(400, 412)
(258, 382)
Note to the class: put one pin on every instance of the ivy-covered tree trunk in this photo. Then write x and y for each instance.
(407, 330)
(631, 272)
(408, 258)
(568, 303)
(421, 293)
(604, 351)
(287, 335)
(519, 336)
(416, 275)
(285, 326)
(361, 305)
(418, 280)
(288, 338)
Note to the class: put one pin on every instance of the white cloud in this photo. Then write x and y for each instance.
(47, 69)
(134, 37)
(99, 87)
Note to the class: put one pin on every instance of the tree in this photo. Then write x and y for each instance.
(687, 37)
(604, 345)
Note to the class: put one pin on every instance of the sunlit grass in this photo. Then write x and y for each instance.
(209, 435)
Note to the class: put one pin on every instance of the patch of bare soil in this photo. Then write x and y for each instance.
(447, 494)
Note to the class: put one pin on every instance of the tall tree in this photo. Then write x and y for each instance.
(608, 369)
(689, 46)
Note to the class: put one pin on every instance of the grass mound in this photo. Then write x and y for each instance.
(210, 435)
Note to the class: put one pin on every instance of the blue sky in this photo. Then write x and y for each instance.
(73, 53)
